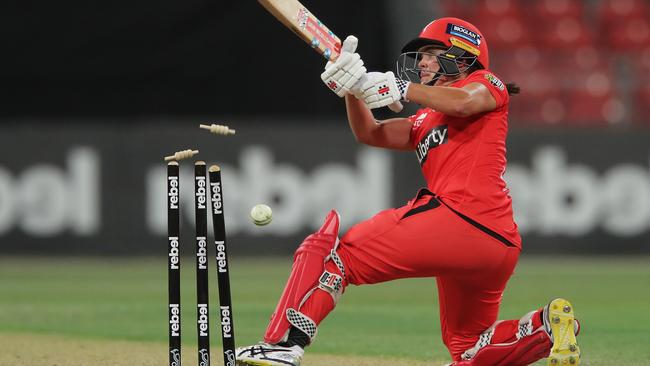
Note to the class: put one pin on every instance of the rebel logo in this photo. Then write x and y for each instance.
(200, 192)
(173, 192)
(216, 198)
(173, 252)
(226, 322)
(202, 319)
(222, 260)
(434, 138)
(174, 320)
(201, 253)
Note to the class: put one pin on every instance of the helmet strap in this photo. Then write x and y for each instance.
(434, 79)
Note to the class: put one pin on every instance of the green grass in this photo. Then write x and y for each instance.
(120, 299)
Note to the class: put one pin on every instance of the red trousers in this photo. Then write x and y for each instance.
(427, 239)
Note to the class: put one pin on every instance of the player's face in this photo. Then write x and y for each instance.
(428, 63)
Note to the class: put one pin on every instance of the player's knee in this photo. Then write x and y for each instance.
(315, 245)
(323, 240)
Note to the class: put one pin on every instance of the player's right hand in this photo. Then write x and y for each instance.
(382, 89)
(342, 75)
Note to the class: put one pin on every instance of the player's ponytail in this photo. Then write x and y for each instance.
(512, 88)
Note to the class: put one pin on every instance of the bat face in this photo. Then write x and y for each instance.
(302, 22)
(322, 39)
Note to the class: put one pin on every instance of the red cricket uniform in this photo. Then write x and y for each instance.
(463, 159)
(459, 230)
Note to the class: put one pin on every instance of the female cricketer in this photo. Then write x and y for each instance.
(459, 229)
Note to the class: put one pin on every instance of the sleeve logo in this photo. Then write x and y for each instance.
(495, 81)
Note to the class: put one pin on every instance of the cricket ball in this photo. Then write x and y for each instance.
(261, 214)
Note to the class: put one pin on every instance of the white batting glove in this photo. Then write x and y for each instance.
(382, 89)
(358, 93)
(342, 75)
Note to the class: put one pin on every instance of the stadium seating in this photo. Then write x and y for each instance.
(577, 62)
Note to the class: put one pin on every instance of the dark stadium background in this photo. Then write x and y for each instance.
(95, 93)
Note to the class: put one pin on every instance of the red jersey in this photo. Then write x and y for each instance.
(463, 159)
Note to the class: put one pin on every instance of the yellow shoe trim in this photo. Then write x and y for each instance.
(565, 350)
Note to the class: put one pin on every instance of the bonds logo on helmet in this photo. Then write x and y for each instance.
(495, 81)
(462, 32)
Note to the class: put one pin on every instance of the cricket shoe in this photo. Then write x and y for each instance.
(562, 327)
(265, 354)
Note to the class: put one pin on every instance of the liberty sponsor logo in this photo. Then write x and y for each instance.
(174, 320)
(495, 81)
(173, 252)
(203, 319)
(216, 198)
(464, 33)
(173, 193)
(434, 138)
(200, 192)
(222, 261)
(226, 323)
(202, 253)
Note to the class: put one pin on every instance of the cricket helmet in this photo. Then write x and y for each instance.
(463, 43)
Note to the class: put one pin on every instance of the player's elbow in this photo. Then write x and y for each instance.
(371, 138)
(467, 107)
(361, 137)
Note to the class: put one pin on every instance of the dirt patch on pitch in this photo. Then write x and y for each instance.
(52, 350)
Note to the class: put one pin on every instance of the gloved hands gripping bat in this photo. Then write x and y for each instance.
(347, 75)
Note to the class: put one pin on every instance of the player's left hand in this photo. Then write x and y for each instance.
(382, 89)
(342, 75)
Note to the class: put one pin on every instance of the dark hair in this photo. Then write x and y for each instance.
(512, 88)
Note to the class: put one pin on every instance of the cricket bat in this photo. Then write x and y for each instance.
(305, 25)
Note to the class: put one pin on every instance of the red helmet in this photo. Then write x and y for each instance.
(448, 32)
